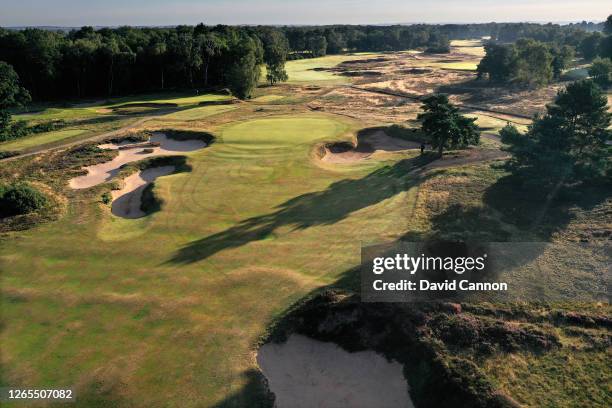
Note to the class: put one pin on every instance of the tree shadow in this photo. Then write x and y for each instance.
(325, 207)
(253, 394)
(542, 211)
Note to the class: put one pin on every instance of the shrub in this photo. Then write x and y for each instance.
(601, 71)
(8, 153)
(107, 198)
(21, 198)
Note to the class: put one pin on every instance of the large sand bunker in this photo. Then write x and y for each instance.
(158, 145)
(367, 145)
(127, 201)
(307, 373)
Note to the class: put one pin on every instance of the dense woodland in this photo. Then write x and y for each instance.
(87, 62)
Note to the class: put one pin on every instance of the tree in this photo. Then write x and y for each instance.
(335, 42)
(444, 125)
(605, 47)
(244, 71)
(438, 44)
(499, 62)
(608, 25)
(157, 53)
(562, 58)
(569, 143)
(211, 45)
(276, 49)
(601, 71)
(534, 63)
(12, 94)
(589, 47)
(21, 198)
(317, 45)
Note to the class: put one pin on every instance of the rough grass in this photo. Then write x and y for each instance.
(563, 378)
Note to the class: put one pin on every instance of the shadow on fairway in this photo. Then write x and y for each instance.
(253, 394)
(325, 207)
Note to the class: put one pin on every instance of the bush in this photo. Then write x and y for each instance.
(19, 129)
(107, 198)
(8, 153)
(601, 71)
(17, 199)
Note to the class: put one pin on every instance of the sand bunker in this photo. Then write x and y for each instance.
(307, 373)
(158, 145)
(127, 201)
(367, 145)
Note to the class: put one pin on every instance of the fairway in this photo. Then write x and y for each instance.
(306, 70)
(199, 113)
(41, 139)
(250, 230)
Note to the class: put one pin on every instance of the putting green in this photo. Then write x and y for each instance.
(170, 309)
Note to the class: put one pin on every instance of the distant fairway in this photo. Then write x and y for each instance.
(471, 47)
(41, 139)
(303, 71)
(255, 226)
(200, 113)
(89, 119)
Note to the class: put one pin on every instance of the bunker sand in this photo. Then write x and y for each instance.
(367, 145)
(160, 145)
(307, 373)
(127, 201)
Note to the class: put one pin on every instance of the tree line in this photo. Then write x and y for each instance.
(126, 60)
(541, 54)
(86, 62)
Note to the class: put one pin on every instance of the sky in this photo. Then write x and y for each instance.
(71, 13)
